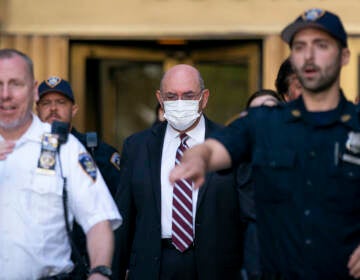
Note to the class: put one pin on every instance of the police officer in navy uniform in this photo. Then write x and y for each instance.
(107, 158)
(56, 103)
(306, 161)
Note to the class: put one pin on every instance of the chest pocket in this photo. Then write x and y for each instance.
(349, 167)
(274, 174)
(42, 198)
(345, 192)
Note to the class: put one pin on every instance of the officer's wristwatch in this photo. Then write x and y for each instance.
(102, 269)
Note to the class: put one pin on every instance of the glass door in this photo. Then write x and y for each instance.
(120, 83)
(231, 74)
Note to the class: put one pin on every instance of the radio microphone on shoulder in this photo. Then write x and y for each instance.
(62, 130)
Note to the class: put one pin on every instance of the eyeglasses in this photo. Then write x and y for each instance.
(169, 96)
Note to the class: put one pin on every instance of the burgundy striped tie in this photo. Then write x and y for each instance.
(182, 217)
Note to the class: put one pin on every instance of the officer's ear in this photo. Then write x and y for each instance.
(74, 110)
(35, 91)
(345, 56)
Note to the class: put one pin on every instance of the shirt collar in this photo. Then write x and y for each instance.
(35, 130)
(296, 111)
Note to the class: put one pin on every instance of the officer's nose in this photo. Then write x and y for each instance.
(53, 106)
(5, 92)
(309, 53)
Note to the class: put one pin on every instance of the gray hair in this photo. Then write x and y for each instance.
(10, 53)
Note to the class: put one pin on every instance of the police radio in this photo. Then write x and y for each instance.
(91, 141)
(62, 130)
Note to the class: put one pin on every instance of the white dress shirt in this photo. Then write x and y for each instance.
(171, 143)
(33, 239)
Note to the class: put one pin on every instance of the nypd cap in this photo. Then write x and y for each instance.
(316, 18)
(56, 84)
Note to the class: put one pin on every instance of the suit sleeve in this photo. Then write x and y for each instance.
(124, 200)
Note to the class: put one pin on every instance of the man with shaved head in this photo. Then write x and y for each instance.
(169, 229)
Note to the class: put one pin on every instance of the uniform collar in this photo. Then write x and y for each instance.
(35, 130)
(294, 110)
(350, 116)
(345, 112)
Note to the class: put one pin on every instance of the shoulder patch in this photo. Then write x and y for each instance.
(88, 165)
(115, 160)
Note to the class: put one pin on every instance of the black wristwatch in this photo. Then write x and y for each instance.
(102, 269)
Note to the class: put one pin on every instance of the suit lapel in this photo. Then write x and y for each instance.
(209, 128)
(154, 148)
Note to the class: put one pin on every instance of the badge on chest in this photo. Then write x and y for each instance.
(47, 159)
(353, 147)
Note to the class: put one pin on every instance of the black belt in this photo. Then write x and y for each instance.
(167, 243)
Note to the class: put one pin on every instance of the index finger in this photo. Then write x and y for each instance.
(354, 258)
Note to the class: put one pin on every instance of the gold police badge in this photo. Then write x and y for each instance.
(47, 159)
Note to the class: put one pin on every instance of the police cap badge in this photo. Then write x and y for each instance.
(56, 84)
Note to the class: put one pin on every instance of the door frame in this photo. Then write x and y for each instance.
(80, 52)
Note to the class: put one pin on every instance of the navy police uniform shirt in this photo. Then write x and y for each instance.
(307, 186)
(107, 160)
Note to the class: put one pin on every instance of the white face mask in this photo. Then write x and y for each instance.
(181, 114)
